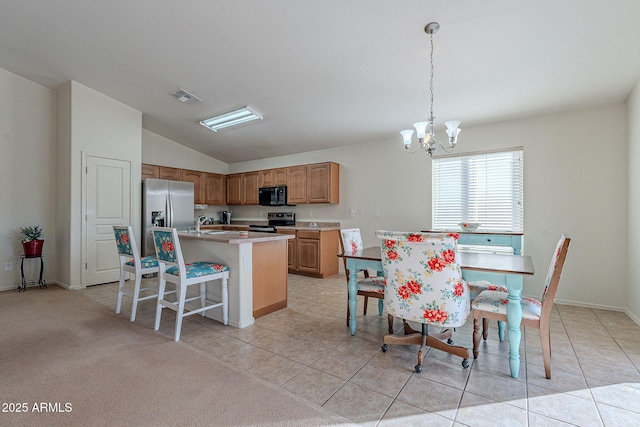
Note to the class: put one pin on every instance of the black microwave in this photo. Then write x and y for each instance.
(272, 196)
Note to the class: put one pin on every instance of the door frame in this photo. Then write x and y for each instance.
(83, 205)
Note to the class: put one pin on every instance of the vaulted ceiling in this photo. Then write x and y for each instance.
(326, 73)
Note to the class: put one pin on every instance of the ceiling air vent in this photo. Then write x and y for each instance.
(185, 97)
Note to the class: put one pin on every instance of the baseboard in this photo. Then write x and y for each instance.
(624, 310)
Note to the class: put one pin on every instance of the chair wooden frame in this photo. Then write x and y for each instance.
(543, 323)
(365, 294)
(136, 269)
(182, 282)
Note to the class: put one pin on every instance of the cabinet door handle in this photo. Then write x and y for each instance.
(488, 240)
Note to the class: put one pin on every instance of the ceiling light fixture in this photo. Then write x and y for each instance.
(232, 118)
(424, 130)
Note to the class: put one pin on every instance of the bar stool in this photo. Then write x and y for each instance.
(130, 262)
(173, 269)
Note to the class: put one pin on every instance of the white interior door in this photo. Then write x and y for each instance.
(108, 203)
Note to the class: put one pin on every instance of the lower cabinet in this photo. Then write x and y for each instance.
(313, 252)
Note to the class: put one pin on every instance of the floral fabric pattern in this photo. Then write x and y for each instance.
(424, 281)
(198, 269)
(351, 239)
(165, 246)
(496, 302)
(482, 285)
(146, 262)
(123, 240)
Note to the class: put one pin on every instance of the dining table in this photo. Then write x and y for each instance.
(511, 265)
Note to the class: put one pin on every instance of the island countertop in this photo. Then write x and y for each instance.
(233, 237)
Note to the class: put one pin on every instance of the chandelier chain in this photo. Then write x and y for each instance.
(431, 79)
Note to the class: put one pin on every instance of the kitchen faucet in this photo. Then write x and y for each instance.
(199, 222)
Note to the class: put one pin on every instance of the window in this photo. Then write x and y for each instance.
(480, 187)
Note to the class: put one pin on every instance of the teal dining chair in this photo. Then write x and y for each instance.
(130, 262)
(173, 269)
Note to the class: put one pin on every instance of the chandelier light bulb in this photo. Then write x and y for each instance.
(406, 137)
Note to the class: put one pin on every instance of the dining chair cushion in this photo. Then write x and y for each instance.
(146, 262)
(198, 269)
(496, 302)
(482, 285)
(372, 284)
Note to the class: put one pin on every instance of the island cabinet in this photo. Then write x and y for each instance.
(198, 180)
(313, 252)
(272, 177)
(215, 189)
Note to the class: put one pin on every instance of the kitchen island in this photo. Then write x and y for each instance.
(257, 270)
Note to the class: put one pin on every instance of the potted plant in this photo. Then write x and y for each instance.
(32, 240)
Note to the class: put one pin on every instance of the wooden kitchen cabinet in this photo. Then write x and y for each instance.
(272, 177)
(297, 184)
(251, 184)
(235, 189)
(150, 171)
(215, 189)
(313, 252)
(173, 174)
(198, 179)
(323, 183)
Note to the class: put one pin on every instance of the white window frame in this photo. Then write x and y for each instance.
(484, 187)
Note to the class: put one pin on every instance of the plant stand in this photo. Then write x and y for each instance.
(24, 283)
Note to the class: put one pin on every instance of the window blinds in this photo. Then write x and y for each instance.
(481, 187)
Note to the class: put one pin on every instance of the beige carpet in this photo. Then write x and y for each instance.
(91, 367)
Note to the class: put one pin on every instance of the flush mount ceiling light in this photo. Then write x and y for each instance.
(425, 132)
(232, 118)
(185, 97)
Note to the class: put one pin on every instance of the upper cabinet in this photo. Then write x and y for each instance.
(150, 171)
(323, 183)
(198, 179)
(235, 189)
(173, 174)
(297, 184)
(251, 184)
(215, 187)
(313, 183)
(272, 177)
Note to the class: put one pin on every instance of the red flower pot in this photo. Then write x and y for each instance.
(32, 248)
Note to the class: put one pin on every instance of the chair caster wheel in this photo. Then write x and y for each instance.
(450, 341)
(465, 363)
(384, 348)
(418, 369)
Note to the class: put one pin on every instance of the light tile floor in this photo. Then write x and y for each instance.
(307, 350)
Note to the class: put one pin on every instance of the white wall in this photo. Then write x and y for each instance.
(575, 183)
(91, 124)
(27, 173)
(633, 223)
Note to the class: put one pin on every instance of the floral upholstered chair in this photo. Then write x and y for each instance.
(351, 241)
(130, 262)
(173, 269)
(491, 304)
(424, 285)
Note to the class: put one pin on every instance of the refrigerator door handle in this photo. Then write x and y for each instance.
(171, 210)
(168, 210)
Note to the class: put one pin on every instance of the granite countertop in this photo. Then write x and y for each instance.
(233, 237)
(300, 225)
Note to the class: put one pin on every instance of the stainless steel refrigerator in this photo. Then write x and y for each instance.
(165, 204)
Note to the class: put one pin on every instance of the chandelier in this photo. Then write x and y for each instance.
(424, 130)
